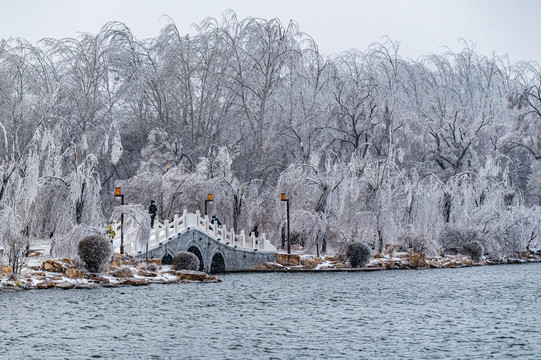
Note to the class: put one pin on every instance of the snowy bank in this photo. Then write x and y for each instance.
(45, 272)
(394, 261)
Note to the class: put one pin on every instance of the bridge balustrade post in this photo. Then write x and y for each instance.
(185, 218)
(243, 238)
(206, 224)
(253, 240)
(159, 233)
(232, 235)
(175, 222)
(198, 217)
(166, 225)
(157, 228)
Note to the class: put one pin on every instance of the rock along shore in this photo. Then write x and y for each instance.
(388, 261)
(47, 273)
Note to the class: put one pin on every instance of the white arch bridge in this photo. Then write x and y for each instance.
(218, 249)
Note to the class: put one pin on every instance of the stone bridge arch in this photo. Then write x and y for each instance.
(167, 258)
(214, 255)
(217, 264)
(194, 249)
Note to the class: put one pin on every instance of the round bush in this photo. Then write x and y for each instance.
(185, 260)
(475, 250)
(96, 252)
(419, 243)
(453, 239)
(358, 254)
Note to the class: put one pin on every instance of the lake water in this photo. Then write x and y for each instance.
(475, 313)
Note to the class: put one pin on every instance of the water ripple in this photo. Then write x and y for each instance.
(478, 313)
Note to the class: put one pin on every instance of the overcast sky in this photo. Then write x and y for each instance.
(421, 26)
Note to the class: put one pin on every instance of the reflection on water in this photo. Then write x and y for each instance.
(482, 312)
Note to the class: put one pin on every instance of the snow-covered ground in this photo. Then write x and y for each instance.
(398, 260)
(42, 272)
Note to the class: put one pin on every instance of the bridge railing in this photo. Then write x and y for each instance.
(165, 229)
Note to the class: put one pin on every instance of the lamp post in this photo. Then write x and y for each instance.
(209, 199)
(283, 197)
(118, 193)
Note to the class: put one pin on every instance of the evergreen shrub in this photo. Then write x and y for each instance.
(455, 239)
(185, 260)
(358, 254)
(96, 252)
(475, 250)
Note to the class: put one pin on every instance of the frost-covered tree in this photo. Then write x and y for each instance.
(137, 214)
(369, 146)
(67, 244)
(13, 240)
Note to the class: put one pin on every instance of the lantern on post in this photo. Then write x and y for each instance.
(118, 193)
(283, 197)
(207, 200)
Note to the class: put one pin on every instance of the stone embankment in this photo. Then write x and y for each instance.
(42, 273)
(386, 261)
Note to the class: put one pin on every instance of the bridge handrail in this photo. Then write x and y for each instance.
(164, 230)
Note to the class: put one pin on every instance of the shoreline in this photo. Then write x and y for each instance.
(43, 272)
(397, 260)
(370, 269)
(49, 273)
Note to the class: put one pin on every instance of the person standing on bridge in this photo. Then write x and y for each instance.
(152, 210)
(255, 233)
(215, 220)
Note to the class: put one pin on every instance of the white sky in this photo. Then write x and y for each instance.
(421, 26)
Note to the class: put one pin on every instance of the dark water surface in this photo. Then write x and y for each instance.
(475, 313)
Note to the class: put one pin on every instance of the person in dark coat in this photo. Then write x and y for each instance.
(215, 220)
(152, 210)
(255, 232)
